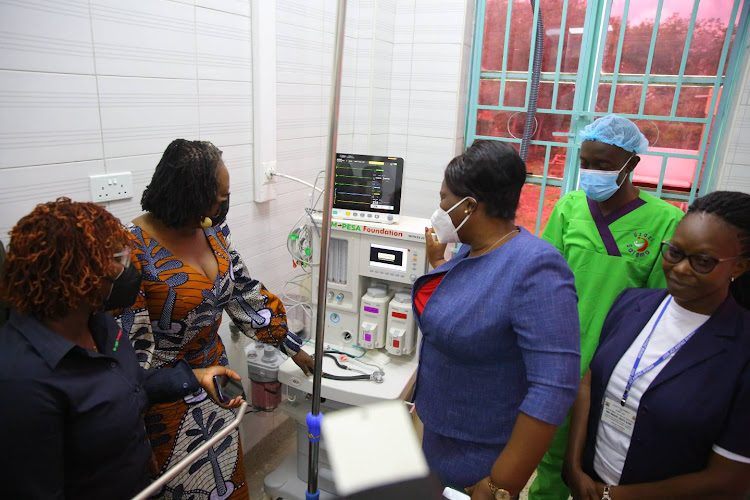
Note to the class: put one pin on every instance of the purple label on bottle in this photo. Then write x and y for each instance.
(373, 310)
(368, 337)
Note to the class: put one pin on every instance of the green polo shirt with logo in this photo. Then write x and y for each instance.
(609, 253)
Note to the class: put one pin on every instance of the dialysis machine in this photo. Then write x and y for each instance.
(375, 255)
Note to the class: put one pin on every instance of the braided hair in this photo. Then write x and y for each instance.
(734, 208)
(184, 185)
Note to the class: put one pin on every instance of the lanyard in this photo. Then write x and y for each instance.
(634, 374)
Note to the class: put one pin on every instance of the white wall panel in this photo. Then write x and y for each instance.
(151, 38)
(38, 35)
(299, 111)
(21, 189)
(226, 112)
(299, 55)
(223, 45)
(239, 160)
(432, 114)
(48, 118)
(143, 115)
(439, 21)
(302, 13)
(142, 168)
(241, 7)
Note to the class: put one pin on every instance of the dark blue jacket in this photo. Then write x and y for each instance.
(700, 399)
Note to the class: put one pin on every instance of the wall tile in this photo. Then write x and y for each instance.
(299, 53)
(398, 118)
(432, 114)
(382, 64)
(346, 108)
(241, 7)
(385, 20)
(153, 38)
(402, 64)
(379, 145)
(345, 143)
(143, 115)
(250, 226)
(142, 167)
(397, 145)
(48, 118)
(21, 189)
(302, 158)
(299, 111)
(437, 21)
(239, 160)
(436, 67)
(36, 35)
(303, 13)
(226, 112)
(424, 196)
(381, 109)
(224, 46)
(428, 157)
(404, 22)
(362, 109)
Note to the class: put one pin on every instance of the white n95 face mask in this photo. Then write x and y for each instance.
(443, 225)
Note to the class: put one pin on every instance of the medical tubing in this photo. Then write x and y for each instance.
(536, 70)
(296, 179)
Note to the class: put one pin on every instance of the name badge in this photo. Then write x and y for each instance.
(618, 416)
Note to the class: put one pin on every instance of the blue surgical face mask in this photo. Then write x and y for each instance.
(600, 185)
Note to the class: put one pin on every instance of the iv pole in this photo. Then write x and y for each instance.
(314, 418)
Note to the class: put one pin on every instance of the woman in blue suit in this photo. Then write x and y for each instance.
(500, 353)
(664, 410)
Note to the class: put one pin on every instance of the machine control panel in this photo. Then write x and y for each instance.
(393, 260)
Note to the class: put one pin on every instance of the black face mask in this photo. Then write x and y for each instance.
(125, 289)
(223, 211)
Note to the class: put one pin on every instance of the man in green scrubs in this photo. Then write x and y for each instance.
(610, 234)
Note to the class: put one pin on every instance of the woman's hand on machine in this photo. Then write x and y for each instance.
(205, 378)
(304, 361)
(435, 249)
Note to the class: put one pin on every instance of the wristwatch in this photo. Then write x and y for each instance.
(499, 493)
(605, 493)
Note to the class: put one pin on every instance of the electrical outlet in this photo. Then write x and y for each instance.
(110, 187)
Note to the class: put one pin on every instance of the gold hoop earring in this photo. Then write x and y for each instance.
(206, 223)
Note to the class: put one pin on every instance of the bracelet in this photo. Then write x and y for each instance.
(605, 493)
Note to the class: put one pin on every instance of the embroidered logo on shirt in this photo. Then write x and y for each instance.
(639, 247)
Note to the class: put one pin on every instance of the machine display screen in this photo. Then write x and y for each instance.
(388, 257)
(368, 183)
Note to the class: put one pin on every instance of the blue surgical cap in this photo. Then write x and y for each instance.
(617, 131)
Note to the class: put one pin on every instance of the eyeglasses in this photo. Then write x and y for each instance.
(123, 257)
(700, 263)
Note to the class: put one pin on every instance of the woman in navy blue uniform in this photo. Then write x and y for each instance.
(664, 411)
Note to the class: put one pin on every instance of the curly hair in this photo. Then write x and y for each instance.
(58, 257)
(733, 208)
(184, 185)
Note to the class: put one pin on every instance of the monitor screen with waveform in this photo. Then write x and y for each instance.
(368, 187)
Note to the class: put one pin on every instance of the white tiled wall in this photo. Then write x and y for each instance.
(90, 87)
(734, 174)
(93, 86)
